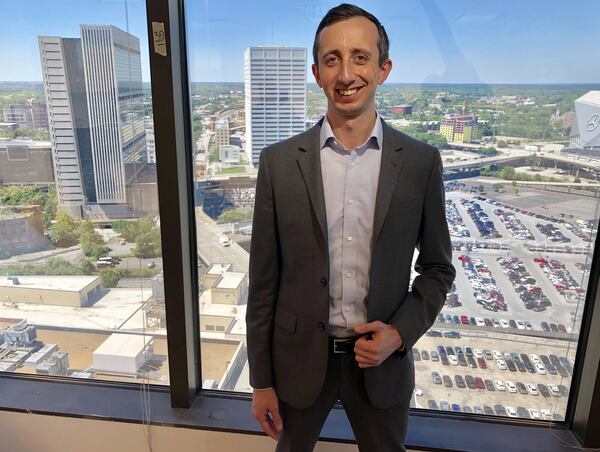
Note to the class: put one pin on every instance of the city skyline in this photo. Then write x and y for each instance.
(509, 43)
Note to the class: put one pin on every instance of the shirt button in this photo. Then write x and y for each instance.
(348, 274)
(321, 326)
(349, 238)
(323, 282)
(351, 201)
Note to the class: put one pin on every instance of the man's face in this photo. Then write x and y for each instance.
(348, 70)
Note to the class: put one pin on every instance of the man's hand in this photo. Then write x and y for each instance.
(385, 340)
(265, 408)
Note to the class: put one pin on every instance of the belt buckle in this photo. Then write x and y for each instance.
(335, 346)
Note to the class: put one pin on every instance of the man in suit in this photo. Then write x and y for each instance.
(339, 211)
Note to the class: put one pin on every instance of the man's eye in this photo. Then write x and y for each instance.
(361, 58)
(330, 60)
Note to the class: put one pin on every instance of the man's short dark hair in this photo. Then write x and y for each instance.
(346, 11)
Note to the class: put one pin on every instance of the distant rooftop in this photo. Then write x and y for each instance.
(230, 280)
(5, 142)
(218, 269)
(65, 283)
(591, 97)
(123, 344)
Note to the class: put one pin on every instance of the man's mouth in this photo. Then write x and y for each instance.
(347, 92)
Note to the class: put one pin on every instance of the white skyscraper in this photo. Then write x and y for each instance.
(113, 75)
(93, 89)
(64, 87)
(275, 89)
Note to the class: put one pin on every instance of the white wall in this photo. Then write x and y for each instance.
(22, 432)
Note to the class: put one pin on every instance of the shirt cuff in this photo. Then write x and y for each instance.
(263, 389)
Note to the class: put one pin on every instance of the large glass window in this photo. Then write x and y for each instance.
(81, 292)
(511, 104)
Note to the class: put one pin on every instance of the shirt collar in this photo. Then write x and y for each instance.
(327, 137)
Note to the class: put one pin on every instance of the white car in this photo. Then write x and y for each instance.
(539, 367)
(535, 414)
(510, 386)
(554, 390)
(224, 240)
(453, 360)
(499, 385)
(534, 358)
(497, 354)
(477, 353)
(501, 364)
(479, 321)
(546, 414)
(504, 323)
(511, 411)
(418, 392)
(520, 324)
(532, 389)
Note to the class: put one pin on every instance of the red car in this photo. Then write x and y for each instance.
(464, 319)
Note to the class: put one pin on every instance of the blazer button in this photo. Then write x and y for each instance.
(323, 282)
(321, 326)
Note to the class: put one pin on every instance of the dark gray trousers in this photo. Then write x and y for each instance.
(375, 430)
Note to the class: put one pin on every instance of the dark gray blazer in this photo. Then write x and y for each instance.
(288, 301)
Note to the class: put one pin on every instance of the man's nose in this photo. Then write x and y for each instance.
(346, 75)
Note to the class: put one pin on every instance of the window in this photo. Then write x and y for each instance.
(521, 205)
(81, 291)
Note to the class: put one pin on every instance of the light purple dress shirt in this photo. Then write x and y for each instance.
(350, 178)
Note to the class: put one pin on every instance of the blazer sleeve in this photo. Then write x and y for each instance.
(434, 264)
(264, 274)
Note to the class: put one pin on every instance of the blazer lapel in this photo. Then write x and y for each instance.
(309, 161)
(391, 166)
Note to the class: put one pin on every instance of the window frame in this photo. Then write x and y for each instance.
(230, 412)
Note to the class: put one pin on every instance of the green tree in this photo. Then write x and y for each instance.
(87, 267)
(534, 160)
(65, 231)
(501, 144)
(147, 244)
(59, 267)
(508, 172)
(231, 215)
(111, 277)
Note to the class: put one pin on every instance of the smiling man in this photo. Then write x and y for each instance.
(339, 211)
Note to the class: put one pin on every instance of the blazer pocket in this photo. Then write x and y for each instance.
(285, 320)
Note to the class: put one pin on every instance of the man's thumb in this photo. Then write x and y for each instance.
(364, 328)
(277, 420)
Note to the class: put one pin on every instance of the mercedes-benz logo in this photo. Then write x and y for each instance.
(593, 122)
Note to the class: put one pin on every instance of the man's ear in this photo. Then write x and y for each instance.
(385, 70)
(315, 71)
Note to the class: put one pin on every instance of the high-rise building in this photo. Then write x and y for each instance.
(275, 96)
(459, 129)
(30, 115)
(93, 88)
(222, 132)
(66, 99)
(585, 130)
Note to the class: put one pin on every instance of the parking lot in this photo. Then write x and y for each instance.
(501, 343)
(521, 307)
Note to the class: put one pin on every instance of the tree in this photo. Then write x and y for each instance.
(501, 144)
(87, 268)
(110, 277)
(508, 172)
(64, 232)
(59, 266)
(147, 244)
(534, 160)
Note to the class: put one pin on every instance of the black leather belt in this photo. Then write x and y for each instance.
(342, 346)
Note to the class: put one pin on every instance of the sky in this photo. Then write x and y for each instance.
(431, 41)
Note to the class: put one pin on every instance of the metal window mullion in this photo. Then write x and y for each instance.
(173, 142)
